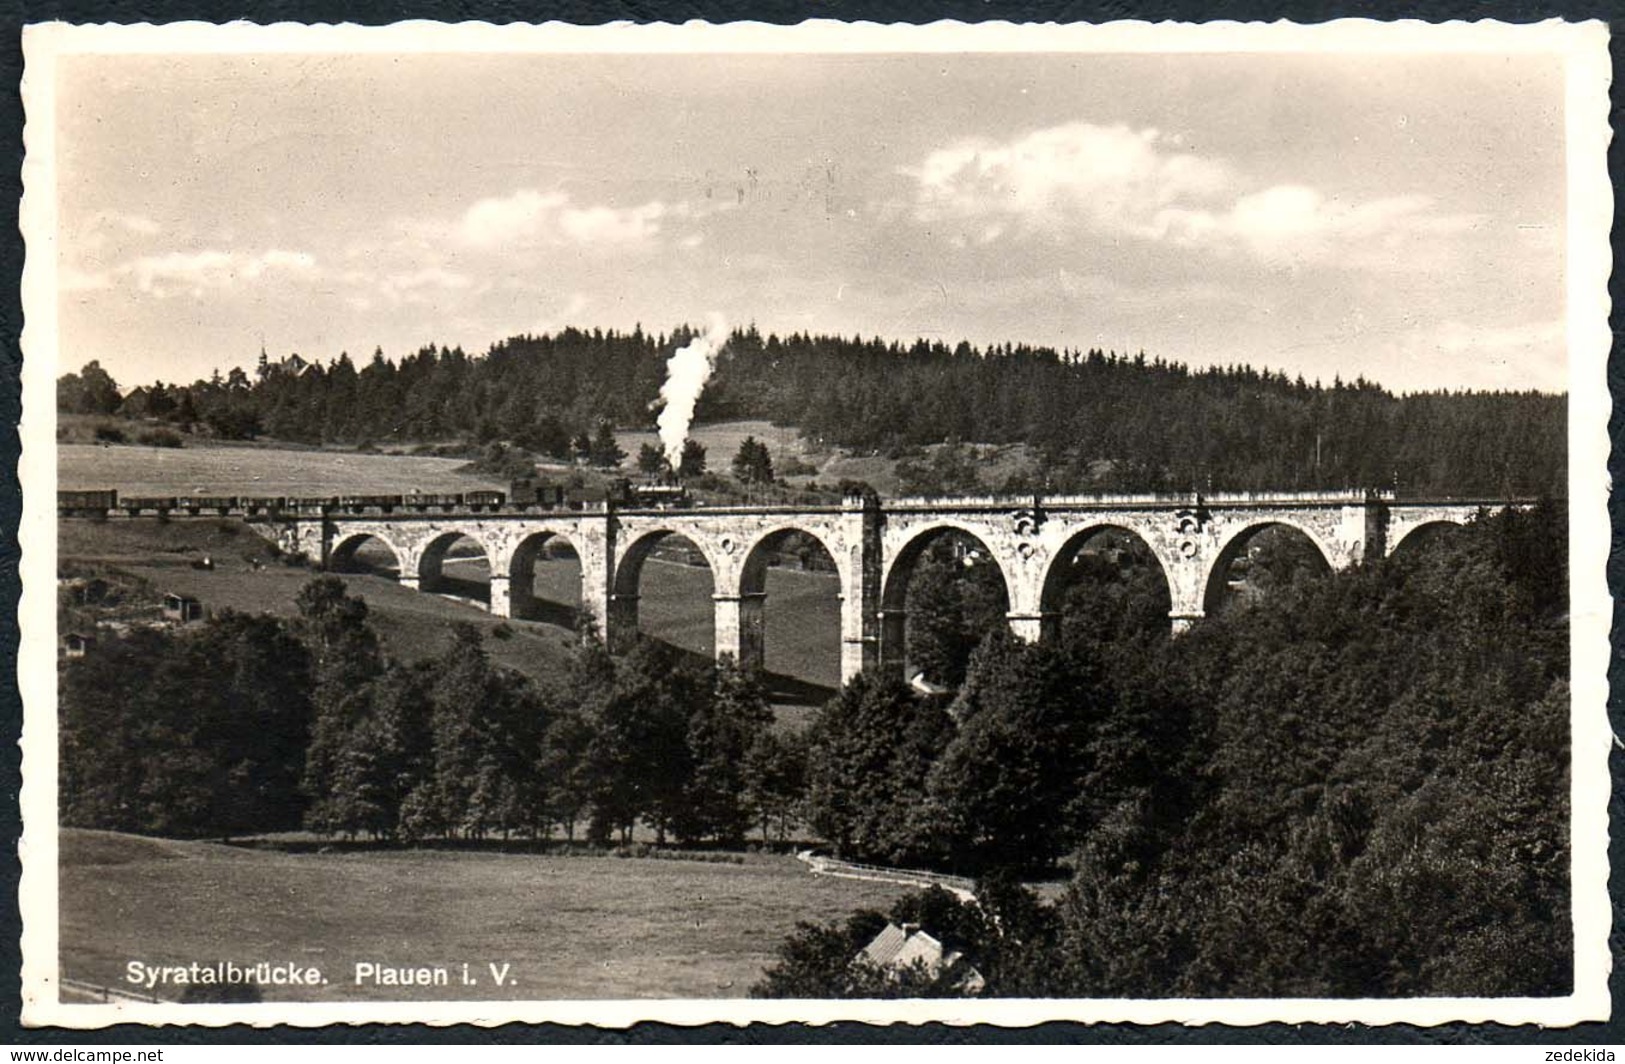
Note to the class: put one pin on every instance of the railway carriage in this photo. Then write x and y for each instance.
(485, 500)
(222, 504)
(86, 503)
(135, 505)
(421, 501)
(362, 503)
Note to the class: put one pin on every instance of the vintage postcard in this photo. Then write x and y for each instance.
(981, 524)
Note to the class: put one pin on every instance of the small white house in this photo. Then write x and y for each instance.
(898, 949)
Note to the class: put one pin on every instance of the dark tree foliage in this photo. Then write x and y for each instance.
(1100, 420)
(753, 464)
(775, 779)
(605, 452)
(870, 749)
(956, 596)
(692, 462)
(201, 734)
(1348, 786)
(651, 460)
(999, 792)
(1376, 795)
(90, 391)
(723, 731)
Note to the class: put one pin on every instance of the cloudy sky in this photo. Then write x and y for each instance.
(1399, 217)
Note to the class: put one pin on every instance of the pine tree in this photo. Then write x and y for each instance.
(604, 452)
(692, 463)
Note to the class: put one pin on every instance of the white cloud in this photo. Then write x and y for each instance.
(1296, 222)
(530, 216)
(1113, 177)
(1145, 185)
(200, 272)
(502, 220)
(607, 225)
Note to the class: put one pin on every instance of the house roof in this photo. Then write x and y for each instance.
(897, 948)
(884, 947)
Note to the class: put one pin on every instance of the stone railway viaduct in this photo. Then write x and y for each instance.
(874, 545)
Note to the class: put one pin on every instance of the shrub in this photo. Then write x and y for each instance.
(160, 438)
(791, 466)
(109, 434)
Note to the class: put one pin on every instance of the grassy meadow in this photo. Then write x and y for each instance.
(216, 469)
(571, 927)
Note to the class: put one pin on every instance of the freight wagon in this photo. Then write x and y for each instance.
(85, 503)
(485, 500)
(197, 503)
(358, 503)
(420, 501)
(139, 504)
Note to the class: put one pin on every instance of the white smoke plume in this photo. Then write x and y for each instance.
(686, 373)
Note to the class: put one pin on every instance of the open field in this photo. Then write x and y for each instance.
(721, 441)
(208, 468)
(571, 927)
(204, 469)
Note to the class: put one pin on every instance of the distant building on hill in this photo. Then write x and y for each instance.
(182, 609)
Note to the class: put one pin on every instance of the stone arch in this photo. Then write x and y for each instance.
(1052, 585)
(1214, 584)
(754, 617)
(1423, 531)
(899, 567)
(432, 576)
(523, 601)
(899, 572)
(342, 557)
(625, 600)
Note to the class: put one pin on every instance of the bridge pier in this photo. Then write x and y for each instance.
(406, 580)
(501, 598)
(1184, 622)
(893, 643)
(739, 631)
(1032, 627)
(621, 622)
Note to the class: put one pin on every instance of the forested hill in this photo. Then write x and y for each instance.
(1100, 421)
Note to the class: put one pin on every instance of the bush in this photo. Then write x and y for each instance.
(791, 466)
(160, 438)
(109, 434)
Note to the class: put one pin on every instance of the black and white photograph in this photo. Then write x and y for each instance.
(985, 524)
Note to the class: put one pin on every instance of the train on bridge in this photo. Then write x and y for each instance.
(524, 495)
